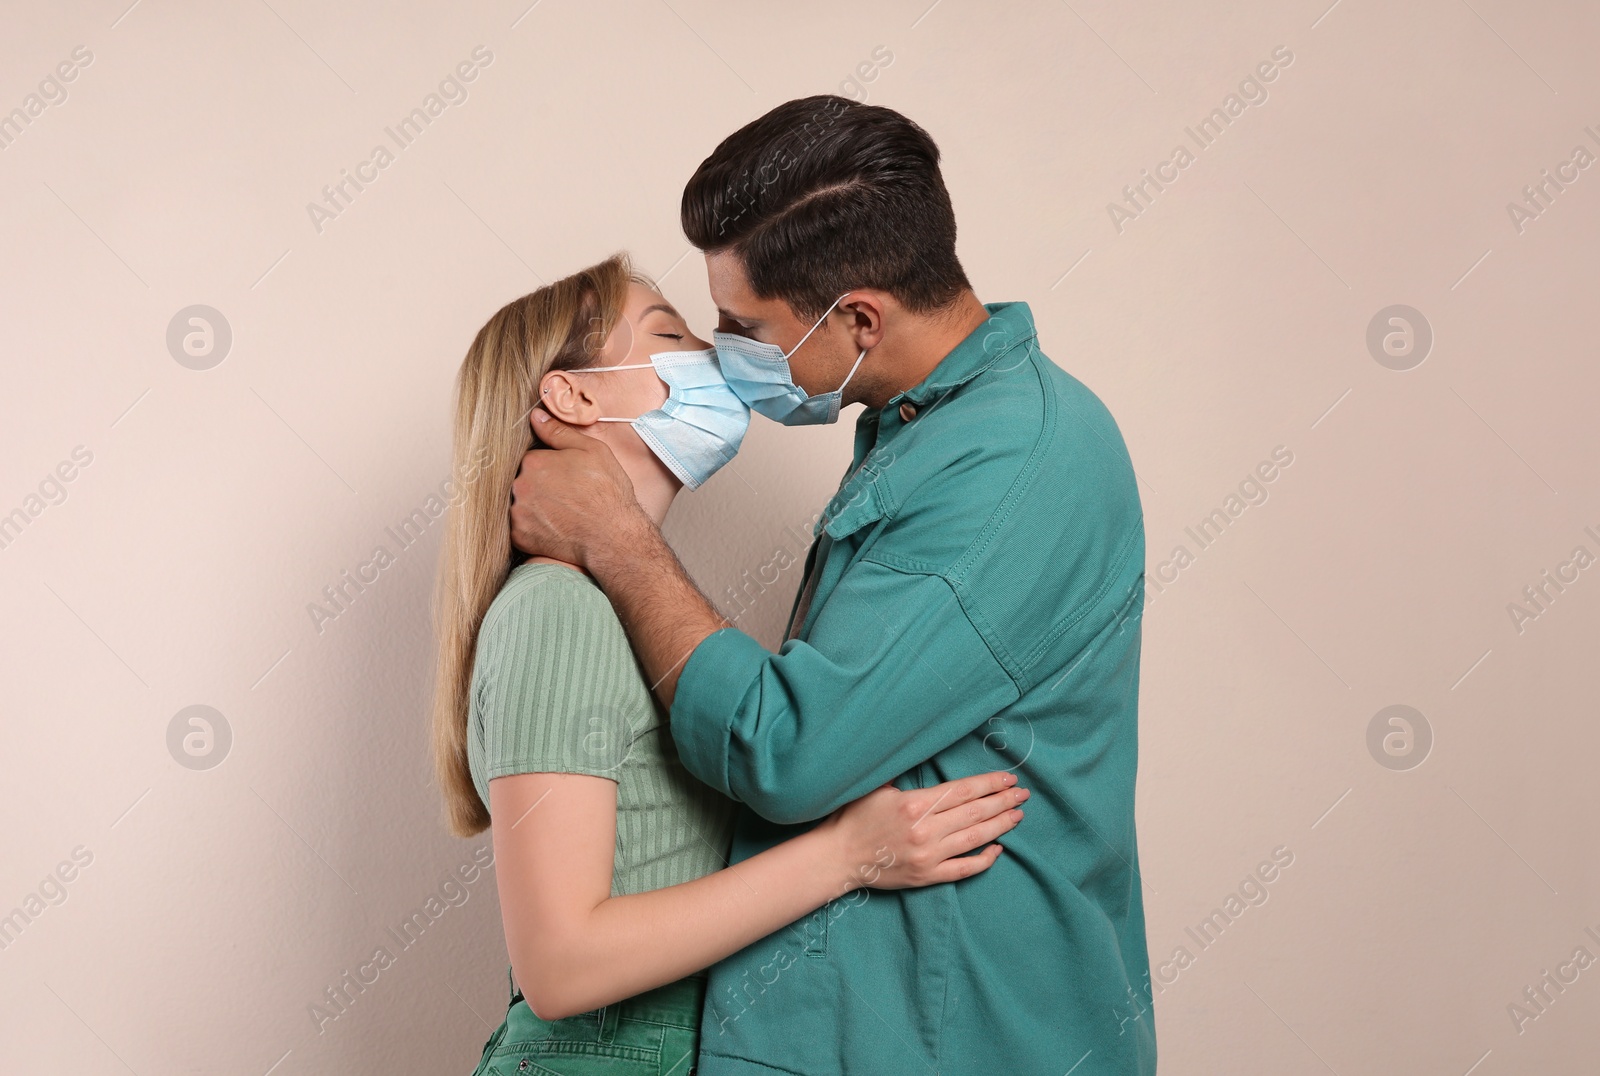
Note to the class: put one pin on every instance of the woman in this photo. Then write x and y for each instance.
(609, 855)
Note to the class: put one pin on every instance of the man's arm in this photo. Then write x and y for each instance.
(898, 671)
(577, 504)
(893, 674)
(665, 614)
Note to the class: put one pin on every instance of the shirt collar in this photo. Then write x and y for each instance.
(863, 496)
(1009, 325)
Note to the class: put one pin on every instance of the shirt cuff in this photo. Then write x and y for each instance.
(711, 691)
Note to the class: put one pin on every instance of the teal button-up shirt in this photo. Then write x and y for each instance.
(972, 602)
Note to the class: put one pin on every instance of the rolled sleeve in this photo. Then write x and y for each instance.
(892, 672)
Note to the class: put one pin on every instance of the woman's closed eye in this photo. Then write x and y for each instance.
(669, 336)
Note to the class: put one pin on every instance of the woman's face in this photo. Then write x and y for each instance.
(649, 324)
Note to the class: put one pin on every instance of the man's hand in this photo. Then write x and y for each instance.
(571, 498)
(574, 502)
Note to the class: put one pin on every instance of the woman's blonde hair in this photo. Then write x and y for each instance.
(562, 326)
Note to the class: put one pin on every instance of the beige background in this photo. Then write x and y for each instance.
(1228, 319)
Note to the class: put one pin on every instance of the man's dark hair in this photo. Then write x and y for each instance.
(824, 194)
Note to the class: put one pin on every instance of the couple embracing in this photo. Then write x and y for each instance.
(718, 860)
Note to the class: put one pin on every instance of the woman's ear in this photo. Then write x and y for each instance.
(567, 397)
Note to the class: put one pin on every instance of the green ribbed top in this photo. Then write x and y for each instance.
(556, 689)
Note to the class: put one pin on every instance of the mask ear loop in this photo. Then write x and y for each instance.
(815, 327)
(626, 366)
(602, 369)
(852, 372)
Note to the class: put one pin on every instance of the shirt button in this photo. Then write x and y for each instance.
(907, 412)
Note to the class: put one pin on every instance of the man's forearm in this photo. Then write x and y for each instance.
(664, 613)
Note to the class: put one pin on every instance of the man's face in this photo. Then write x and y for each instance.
(823, 360)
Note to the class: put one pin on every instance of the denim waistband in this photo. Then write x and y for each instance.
(677, 1004)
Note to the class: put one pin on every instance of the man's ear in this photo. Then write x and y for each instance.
(567, 396)
(865, 309)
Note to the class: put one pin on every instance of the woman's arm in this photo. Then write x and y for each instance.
(574, 947)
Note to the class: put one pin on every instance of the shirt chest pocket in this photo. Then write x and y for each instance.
(813, 933)
(858, 504)
(845, 529)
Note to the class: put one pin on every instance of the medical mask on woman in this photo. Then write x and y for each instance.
(699, 428)
(759, 373)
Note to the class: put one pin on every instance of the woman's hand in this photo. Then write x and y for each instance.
(889, 839)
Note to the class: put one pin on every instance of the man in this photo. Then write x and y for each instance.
(971, 602)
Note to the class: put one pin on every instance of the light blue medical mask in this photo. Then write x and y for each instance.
(759, 374)
(699, 428)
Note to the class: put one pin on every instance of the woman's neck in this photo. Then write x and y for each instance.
(654, 487)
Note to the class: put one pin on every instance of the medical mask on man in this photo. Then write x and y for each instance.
(699, 427)
(759, 374)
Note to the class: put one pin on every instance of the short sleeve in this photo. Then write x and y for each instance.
(558, 687)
